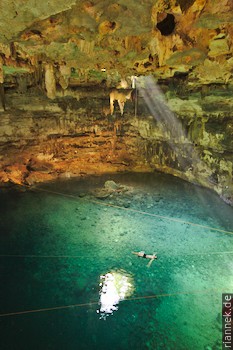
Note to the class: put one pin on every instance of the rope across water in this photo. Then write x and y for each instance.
(139, 211)
(201, 292)
(128, 299)
(88, 257)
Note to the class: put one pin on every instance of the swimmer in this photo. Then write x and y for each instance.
(142, 254)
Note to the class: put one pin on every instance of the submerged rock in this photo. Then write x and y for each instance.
(111, 185)
(101, 193)
(110, 189)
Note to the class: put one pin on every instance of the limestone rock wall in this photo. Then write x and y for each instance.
(43, 139)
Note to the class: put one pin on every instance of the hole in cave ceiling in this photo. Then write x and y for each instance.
(147, 64)
(167, 25)
(112, 25)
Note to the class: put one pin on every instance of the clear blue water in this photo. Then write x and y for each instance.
(85, 239)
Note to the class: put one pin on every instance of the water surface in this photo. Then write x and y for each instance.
(63, 244)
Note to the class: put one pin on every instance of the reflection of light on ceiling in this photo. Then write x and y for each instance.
(115, 286)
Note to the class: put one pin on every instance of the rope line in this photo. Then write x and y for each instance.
(40, 256)
(193, 254)
(140, 212)
(127, 299)
(164, 217)
(47, 309)
(85, 257)
(97, 302)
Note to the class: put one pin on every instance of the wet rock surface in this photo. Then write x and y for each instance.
(112, 190)
(59, 62)
(38, 145)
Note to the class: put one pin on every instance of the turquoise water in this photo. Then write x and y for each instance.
(76, 239)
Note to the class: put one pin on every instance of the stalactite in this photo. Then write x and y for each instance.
(13, 50)
(22, 83)
(86, 47)
(83, 73)
(39, 73)
(37, 68)
(50, 82)
(65, 73)
(2, 92)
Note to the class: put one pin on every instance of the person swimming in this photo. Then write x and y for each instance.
(142, 254)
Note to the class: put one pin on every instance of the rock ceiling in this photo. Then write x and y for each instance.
(101, 39)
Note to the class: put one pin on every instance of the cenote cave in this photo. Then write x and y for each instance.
(116, 166)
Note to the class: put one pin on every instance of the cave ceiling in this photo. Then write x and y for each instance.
(103, 39)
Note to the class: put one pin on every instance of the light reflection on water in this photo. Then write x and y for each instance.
(115, 286)
(94, 240)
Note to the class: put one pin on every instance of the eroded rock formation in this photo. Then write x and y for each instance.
(59, 61)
